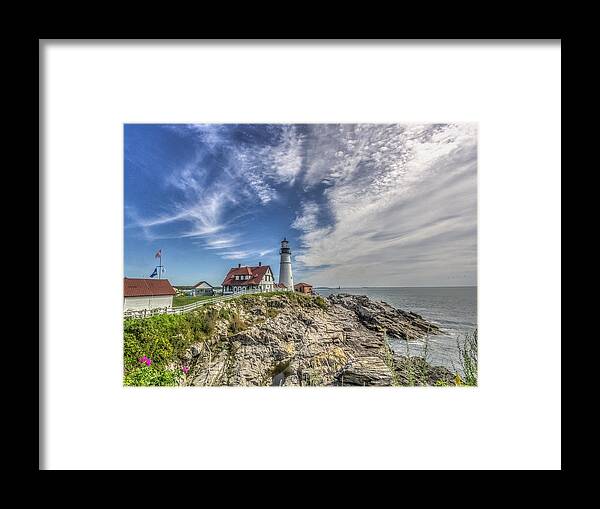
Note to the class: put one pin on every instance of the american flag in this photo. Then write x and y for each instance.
(158, 254)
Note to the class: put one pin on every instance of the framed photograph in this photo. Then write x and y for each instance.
(317, 247)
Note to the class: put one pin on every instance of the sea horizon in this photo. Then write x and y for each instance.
(359, 286)
(428, 286)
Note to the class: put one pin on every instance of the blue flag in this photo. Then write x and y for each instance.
(155, 273)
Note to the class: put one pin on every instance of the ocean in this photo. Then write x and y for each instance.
(453, 309)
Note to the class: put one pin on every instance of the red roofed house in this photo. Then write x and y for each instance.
(147, 293)
(245, 279)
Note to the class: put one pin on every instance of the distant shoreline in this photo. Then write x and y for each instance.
(366, 287)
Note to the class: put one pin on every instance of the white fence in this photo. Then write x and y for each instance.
(144, 313)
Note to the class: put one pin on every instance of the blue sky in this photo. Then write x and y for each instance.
(361, 204)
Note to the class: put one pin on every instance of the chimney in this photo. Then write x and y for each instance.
(259, 264)
(239, 265)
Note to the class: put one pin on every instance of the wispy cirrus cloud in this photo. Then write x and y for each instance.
(226, 179)
(246, 254)
(284, 160)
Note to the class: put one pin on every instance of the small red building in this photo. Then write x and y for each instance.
(303, 288)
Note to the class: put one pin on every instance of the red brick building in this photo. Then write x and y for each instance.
(303, 288)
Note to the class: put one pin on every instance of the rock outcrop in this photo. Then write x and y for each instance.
(380, 316)
(291, 339)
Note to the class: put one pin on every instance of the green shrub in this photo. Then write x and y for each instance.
(151, 336)
(321, 302)
(164, 338)
(151, 375)
(224, 313)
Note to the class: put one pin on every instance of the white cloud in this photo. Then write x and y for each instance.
(236, 255)
(306, 219)
(225, 241)
(248, 170)
(246, 254)
(285, 158)
(403, 201)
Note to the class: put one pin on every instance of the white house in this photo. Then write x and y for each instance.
(203, 288)
(244, 279)
(147, 294)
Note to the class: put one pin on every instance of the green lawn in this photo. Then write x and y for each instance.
(182, 300)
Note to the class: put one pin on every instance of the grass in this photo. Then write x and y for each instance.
(468, 358)
(236, 324)
(295, 298)
(388, 357)
(182, 300)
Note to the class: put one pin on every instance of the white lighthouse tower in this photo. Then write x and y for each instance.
(285, 266)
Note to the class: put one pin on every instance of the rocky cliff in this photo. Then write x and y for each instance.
(291, 339)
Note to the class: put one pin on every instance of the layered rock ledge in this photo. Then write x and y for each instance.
(292, 340)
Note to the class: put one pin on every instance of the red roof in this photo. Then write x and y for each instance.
(257, 274)
(134, 287)
(300, 285)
